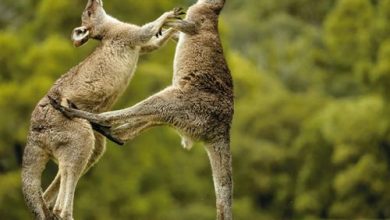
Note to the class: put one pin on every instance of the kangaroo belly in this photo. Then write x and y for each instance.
(100, 85)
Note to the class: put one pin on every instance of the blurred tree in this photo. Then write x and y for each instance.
(348, 32)
(349, 40)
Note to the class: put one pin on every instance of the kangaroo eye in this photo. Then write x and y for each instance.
(89, 13)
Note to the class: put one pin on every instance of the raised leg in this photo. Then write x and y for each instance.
(155, 107)
(129, 131)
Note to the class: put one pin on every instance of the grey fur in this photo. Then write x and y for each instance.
(93, 85)
(199, 103)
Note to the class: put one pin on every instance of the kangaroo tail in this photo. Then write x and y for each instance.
(34, 162)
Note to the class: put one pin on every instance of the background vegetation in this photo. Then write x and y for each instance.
(311, 133)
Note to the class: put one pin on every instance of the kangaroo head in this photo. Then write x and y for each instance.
(93, 19)
(215, 5)
(205, 13)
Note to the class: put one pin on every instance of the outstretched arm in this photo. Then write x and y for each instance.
(156, 43)
(152, 29)
(183, 26)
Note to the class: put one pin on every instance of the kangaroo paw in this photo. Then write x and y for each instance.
(64, 110)
(178, 12)
(105, 130)
(54, 217)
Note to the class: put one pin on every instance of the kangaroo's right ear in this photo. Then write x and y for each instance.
(80, 36)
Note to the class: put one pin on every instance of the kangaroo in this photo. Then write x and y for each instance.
(93, 85)
(199, 103)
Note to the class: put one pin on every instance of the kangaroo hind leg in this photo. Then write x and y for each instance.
(159, 109)
(51, 193)
(72, 161)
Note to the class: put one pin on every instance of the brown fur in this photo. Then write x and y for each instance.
(93, 85)
(199, 103)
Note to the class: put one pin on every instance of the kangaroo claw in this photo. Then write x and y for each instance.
(105, 130)
(178, 12)
(159, 33)
(59, 107)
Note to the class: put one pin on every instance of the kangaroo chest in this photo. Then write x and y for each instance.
(101, 79)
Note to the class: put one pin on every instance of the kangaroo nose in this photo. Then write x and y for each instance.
(81, 30)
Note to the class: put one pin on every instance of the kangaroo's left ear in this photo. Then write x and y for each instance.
(93, 4)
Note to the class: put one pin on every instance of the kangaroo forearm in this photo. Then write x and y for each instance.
(156, 43)
(151, 29)
(183, 26)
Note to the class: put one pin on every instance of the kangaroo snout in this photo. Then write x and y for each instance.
(80, 35)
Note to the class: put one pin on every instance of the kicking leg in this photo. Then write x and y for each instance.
(157, 105)
(165, 107)
(130, 130)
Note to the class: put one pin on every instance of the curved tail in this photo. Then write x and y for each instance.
(34, 162)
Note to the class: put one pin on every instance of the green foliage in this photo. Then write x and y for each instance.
(380, 74)
(11, 197)
(348, 31)
(310, 136)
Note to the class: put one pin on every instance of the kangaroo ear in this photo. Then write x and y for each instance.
(93, 4)
(80, 36)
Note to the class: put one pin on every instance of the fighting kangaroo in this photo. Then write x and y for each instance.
(199, 103)
(93, 85)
